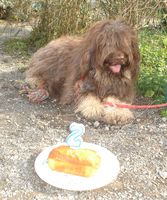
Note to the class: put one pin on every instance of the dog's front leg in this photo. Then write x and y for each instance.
(114, 115)
(67, 93)
(66, 97)
(90, 107)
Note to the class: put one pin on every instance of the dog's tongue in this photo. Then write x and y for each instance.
(115, 68)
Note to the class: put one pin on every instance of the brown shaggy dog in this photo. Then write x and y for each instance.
(101, 66)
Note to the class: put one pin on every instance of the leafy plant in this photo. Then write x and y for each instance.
(19, 47)
(164, 113)
(153, 76)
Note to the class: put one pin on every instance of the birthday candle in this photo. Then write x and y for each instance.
(74, 140)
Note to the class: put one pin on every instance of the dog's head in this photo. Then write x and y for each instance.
(112, 47)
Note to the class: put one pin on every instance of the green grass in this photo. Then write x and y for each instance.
(164, 113)
(153, 75)
(18, 47)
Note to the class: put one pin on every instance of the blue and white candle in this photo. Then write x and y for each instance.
(74, 140)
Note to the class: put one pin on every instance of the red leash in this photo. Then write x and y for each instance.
(134, 106)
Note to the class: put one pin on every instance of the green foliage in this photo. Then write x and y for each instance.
(165, 42)
(19, 47)
(164, 113)
(153, 76)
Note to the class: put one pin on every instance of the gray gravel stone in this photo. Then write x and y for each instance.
(96, 124)
(163, 174)
(107, 128)
(164, 119)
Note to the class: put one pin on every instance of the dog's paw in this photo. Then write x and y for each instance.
(90, 107)
(38, 95)
(118, 116)
(114, 115)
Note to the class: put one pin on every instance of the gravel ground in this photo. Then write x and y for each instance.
(26, 129)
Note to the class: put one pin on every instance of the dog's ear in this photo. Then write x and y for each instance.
(87, 62)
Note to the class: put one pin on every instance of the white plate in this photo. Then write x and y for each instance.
(106, 173)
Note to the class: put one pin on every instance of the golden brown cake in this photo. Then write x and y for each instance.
(81, 162)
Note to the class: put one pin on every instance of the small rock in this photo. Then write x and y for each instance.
(163, 174)
(89, 123)
(141, 127)
(32, 117)
(96, 124)
(165, 144)
(54, 101)
(4, 85)
(162, 125)
(107, 128)
(6, 59)
(138, 120)
(165, 141)
(164, 119)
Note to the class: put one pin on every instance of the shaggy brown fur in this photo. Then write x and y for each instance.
(100, 66)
